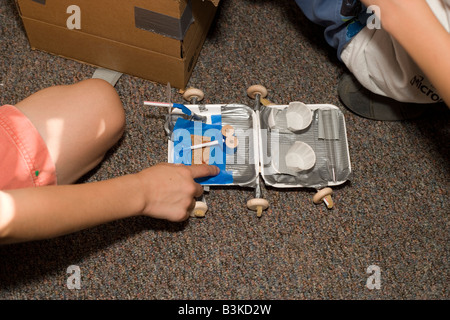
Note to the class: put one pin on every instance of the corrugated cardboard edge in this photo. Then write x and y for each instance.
(113, 55)
(110, 28)
(180, 79)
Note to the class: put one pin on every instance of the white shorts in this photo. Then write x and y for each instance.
(382, 66)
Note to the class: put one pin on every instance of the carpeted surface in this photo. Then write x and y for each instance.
(393, 213)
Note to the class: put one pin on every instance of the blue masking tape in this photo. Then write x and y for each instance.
(183, 154)
(183, 108)
(216, 119)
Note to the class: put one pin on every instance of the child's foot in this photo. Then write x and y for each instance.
(372, 106)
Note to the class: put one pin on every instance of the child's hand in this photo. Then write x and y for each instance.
(169, 190)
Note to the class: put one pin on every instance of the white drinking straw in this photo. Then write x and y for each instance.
(158, 104)
(203, 145)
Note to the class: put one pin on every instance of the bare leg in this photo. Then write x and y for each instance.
(78, 122)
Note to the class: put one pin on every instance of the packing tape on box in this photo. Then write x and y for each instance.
(163, 24)
(160, 23)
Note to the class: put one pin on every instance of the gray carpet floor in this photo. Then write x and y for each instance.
(392, 213)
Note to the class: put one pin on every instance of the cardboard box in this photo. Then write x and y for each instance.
(158, 40)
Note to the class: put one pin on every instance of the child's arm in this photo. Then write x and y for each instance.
(164, 191)
(416, 28)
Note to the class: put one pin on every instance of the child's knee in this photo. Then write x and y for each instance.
(107, 105)
(101, 92)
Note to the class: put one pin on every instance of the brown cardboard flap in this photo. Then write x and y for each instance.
(110, 54)
(109, 38)
(115, 20)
